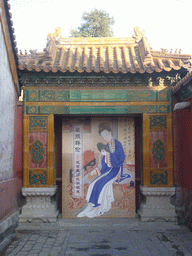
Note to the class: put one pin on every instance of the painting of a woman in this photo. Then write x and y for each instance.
(100, 192)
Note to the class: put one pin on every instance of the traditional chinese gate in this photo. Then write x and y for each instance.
(93, 78)
(42, 157)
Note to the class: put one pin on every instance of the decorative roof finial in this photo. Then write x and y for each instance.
(138, 34)
(56, 34)
(164, 51)
(33, 52)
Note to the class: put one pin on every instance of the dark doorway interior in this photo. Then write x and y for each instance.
(58, 159)
(138, 157)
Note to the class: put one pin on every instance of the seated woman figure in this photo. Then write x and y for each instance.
(100, 191)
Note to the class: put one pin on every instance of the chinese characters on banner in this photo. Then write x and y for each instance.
(127, 136)
(77, 161)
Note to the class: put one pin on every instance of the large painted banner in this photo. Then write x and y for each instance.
(98, 158)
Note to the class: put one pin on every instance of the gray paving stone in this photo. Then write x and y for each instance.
(27, 248)
(23, 253)
(34, 237)
(35, 251)
(31, 242)
(22, 243)
(25, 238)
(102, 237)
(44, 254)
(17, 249)
(37, 246)
(47, 246)
(184, 250)
(46, 249)
(49, 242)
(57, 248)
(80, 254)
(33, 254)
(41, 239)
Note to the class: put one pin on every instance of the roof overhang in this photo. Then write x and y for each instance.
(10, 43)
(183, 89)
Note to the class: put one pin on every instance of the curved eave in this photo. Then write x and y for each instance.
(115, 71)
(182, 82)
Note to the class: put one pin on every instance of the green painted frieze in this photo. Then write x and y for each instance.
(97, 95)
(131, 109)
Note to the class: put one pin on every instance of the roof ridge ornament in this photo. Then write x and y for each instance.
(33, 52)
(52, 40)
(171, 52)
(55, 35)
(141, 37)
(138, 34)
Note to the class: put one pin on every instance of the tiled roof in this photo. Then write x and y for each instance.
(10, 27)
(185, 80)
(9, 40)
(126, 54)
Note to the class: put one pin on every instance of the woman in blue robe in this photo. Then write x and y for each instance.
(100, 191)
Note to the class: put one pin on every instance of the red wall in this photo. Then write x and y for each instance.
(186, 148)
(8, 198)
(176, 146)
(182, 135)
(10, 189)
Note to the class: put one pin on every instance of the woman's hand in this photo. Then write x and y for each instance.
(95, 171)
(118, 177)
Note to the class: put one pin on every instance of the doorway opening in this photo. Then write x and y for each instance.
(64, 125)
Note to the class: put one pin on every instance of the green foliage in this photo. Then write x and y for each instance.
(96, 23)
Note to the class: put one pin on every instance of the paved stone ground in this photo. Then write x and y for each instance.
(106, 237)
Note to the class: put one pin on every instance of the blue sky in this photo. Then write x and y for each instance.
(167, 23)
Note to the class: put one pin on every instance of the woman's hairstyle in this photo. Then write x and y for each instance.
(103, 127)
